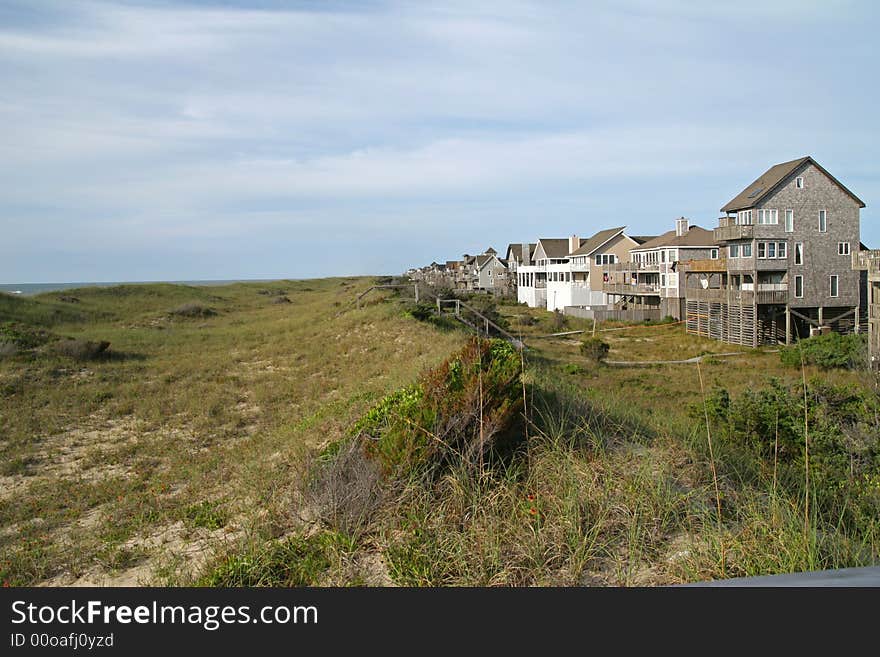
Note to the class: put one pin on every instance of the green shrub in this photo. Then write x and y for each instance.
(193, 310)
(453, 412)
(828, 351)
(421, 311)
(80, 349)
(296, 561)
(594, 349)
(23, 336)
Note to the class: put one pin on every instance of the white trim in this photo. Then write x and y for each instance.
(833, 278)
(797, 278)
(823, 221)
(789, 227)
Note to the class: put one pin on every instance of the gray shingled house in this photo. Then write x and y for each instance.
(785, 260)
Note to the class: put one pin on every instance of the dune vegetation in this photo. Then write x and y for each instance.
(165, 434)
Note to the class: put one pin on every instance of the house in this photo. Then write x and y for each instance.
(491, 273)
(516, 255)
(565, 273)
(531, 286)
(868, 263)
(784, 264)
(582, 287)
(649, 284)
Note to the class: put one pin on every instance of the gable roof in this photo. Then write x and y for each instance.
(772, 178)
(696, 236)
(553, 247)
(641, 239)
(486, 258)
(515, 251)
(603, 236)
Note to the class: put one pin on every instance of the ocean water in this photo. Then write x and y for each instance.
(29, 289)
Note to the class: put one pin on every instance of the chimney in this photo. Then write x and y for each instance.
(681, 226)
(574, 243)
(526, 254)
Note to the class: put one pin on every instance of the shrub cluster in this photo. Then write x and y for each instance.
(594, 348)
(828, 351)
(193, 310)
(842, 423)
(454, 412)
(80, 349)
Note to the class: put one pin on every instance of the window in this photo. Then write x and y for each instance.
(843, 248)
(747, 250)
(606, 259)
(768, 217)
(713, 253)
(799, 182)
(663, 280)
(833, 290)
(744, 217)
(799, 287)
(771, 249)
(823, 221)
(799, 253)
(663, 256)
(789, 221)
(733, 251)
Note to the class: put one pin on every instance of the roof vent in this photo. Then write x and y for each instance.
(756, 192)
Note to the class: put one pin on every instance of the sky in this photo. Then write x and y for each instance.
(160, 140)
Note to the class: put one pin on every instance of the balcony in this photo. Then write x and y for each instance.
(775, 294)
(775, 297)
(733, 232)
(632, 266)
(708, 294)
(625, 288)
(706, 265)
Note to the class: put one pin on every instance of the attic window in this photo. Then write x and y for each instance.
(799, 182)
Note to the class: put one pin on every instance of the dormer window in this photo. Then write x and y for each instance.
(799, 182)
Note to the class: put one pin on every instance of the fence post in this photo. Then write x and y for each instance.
(457, 307)
(417, 292)
(439, 310)
(487, 328)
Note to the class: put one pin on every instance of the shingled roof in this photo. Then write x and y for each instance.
(588, 246)
(515, 251)
(695, 236)
(771, 179)
(554, 247)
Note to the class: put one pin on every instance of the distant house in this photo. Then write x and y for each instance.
(491, 273)
(785, 262)
(516, 255)
(565, 273)
(649, 283)
(583, 287)
(531, 287)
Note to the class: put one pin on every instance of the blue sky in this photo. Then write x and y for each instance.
(197, 140)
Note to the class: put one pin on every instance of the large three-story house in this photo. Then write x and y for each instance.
(785, 264)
